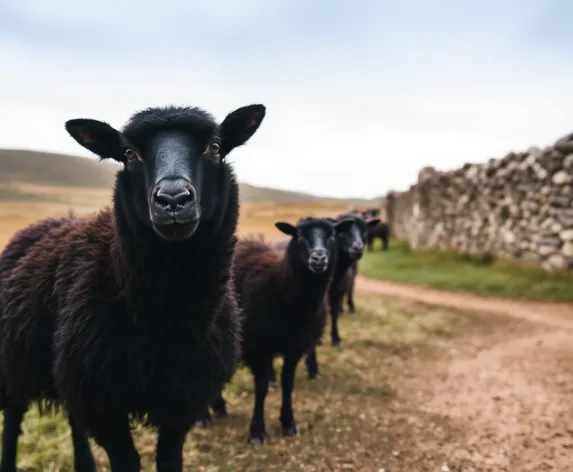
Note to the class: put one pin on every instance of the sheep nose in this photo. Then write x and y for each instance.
(357, 246)
(318, 260)
(173, 195)
(318, 256)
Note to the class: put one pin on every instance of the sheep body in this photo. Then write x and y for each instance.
(116, 355)
(284, 306)
(283, 311)
(27, 275)
(380, 231)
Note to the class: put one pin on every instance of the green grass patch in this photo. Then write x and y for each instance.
(480, 274)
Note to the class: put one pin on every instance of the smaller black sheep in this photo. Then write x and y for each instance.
(349, 249)
(283, 297)
(381, 231)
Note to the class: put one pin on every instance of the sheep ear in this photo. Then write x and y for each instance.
(286, 228)
(343, 225)
(96, 136)
(239, 126)
(373, 222)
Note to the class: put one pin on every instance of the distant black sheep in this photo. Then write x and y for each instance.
(283, 295)
(371, 213)
(131, 313)
(350, 246)
(381, 231)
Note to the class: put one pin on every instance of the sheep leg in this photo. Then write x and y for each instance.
(385, 243)
(169, 454)
(220, 406)
(312, 365)
(257, 429)
(13, 416)
(334, 334)
(350, 295)
(272, 376)
(370, 243)
(115, 438)
(205, 419)
(83, 458)
(287, 383)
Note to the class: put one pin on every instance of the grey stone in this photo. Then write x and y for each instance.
(561, 177)
(566, 235)
(547, 250)
(557, 262)
(568, 161)
(567, 249)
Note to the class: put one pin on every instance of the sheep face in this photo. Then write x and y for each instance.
(174, 172)
(314, 240)
(370, 213)
(351, 241)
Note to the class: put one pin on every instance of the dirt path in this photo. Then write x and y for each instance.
(555, 314)
(505, 388)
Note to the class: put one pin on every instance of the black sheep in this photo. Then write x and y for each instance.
(130, 314)
(381, 231)
(284, 302)
(349, 249)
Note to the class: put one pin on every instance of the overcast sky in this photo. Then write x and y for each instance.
(360, 94)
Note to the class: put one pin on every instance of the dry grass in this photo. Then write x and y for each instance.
(51, 201)
(260, 218)
(345, 418)
(30, 202)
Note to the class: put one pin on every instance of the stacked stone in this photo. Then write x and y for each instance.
(518, 207)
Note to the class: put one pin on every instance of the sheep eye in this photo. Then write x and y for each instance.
(214, 147)
(130, 154)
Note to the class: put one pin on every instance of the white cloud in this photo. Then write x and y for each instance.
(340, 121)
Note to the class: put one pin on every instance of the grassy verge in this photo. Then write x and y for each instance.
(481, 275)
(347, 419)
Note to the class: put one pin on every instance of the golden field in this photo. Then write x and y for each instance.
(258, 218)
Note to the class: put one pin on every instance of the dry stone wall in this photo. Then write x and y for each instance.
(519, 207)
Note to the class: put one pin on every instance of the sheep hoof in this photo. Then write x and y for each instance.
(221, 414)
(337, 343)
(314, 376)
(257, 441)
(291, 431)
(205, 423)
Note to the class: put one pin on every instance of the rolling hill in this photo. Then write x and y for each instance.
(61, 170)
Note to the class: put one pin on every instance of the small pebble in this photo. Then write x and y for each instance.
(445, 468)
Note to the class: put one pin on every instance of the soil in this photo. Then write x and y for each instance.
(498, 398)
